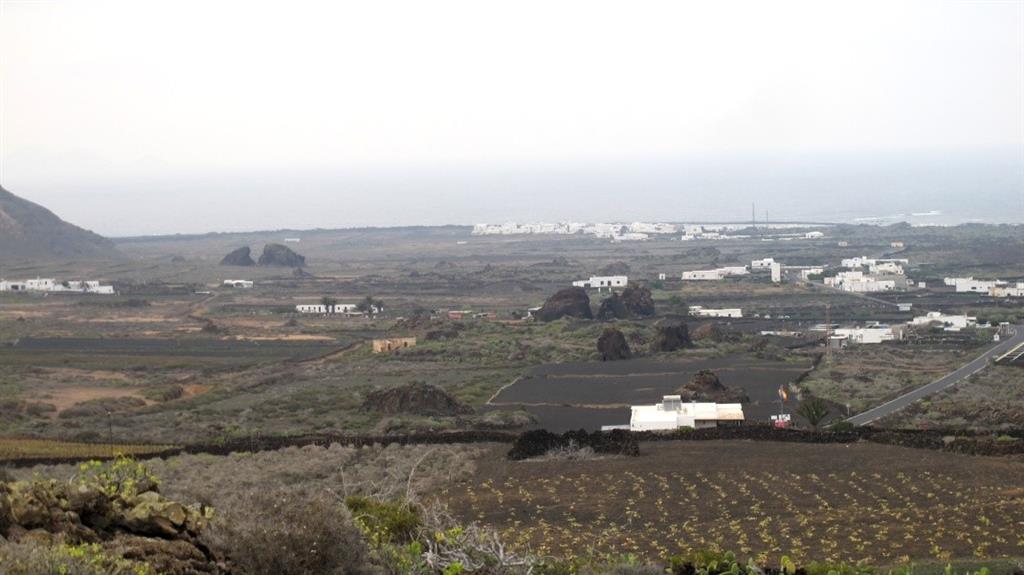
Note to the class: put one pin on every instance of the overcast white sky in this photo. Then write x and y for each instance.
(156, 117)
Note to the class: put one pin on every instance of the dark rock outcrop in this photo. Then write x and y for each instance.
(240, 257)
(569, 302)
(280, 255)
(30, 231)
(671, 337)
(705, 386)
(612, 345)
(634, 301)
(416, 398)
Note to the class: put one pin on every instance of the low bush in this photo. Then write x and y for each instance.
(31, 558)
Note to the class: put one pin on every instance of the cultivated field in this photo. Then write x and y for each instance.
(857, 503)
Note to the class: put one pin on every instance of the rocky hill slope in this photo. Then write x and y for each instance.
(30, 231)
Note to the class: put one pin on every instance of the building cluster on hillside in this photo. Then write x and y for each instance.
(56, 286)
(615, 231)
(715, 274)
(994, 288)
(882, 275)
(601, 282)
(673, 413)
(700, 311)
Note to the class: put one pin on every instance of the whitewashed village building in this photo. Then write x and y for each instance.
(947, 322)
(699, 311)
(239, 284)
(349, 309)
(602, 282)
(715, 274)
(672, 413)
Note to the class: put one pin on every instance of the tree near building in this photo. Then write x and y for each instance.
(815, 410)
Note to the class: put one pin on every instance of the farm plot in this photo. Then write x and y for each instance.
(556, 393)
(859, 503)
(126, 352)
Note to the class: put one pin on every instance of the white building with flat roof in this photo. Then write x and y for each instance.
(947, 322)
(761, 264)
(672, 413)
(602, 282)
(699, 311)
(875, 333)
(1016, 290)
(715, 274)
(240, 284)
(971, 285)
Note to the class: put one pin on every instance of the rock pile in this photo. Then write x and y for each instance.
(280, 255)
(416, 398)
(119, 508)
(240, 257)
(569, 302)
(705, 386)
(612, 345)
(671, 337)
(634, 301)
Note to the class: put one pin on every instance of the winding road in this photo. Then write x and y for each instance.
(981, 362)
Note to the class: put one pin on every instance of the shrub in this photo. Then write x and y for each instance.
(384, 521)
(285, 533)
(87, 559)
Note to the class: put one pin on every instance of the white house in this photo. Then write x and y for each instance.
(874, 333)
(814, 235)
(672, 413)
(762, 263)
(241, 284)
(1007, 291)
(857, 282)
(971, 285)
(776, 272)
(948, 322)
(700, 311)
(715, 274)
(601, 282)
(884, 268)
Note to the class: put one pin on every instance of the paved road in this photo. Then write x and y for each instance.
(978, 364)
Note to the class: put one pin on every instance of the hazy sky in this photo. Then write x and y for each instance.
(156, 117)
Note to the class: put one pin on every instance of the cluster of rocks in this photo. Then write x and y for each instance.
(416, 398)
(612, 345)
(273, 255)
(126, 516)
(569, 302)
(671, 337)
(635, 301)
(705, 386)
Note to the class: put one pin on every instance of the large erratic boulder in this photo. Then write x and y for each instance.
(569, 302)
(612, 345)
(671, 337)
(634, 301)
(705, 386)
(416, 398)
(281, 255)
(240, 257)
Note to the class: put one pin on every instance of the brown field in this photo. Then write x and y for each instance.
(861, 502)
(21, 448)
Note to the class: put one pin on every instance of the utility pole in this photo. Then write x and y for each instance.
(828, 333)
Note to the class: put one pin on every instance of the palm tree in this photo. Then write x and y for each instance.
(815, 410)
